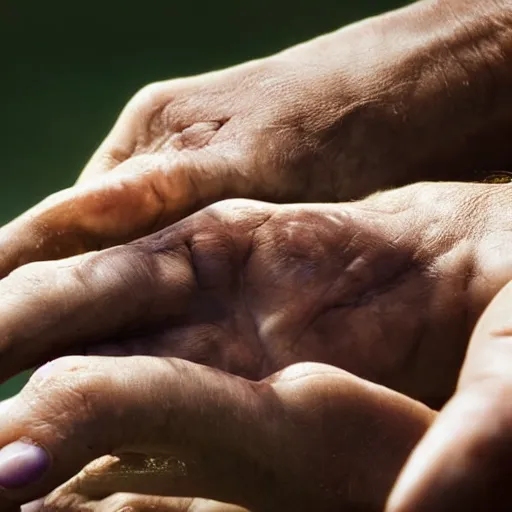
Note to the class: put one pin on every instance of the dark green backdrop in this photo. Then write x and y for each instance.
(67, 68)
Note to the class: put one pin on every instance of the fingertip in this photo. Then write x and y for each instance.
(22, 463)
(430, 467)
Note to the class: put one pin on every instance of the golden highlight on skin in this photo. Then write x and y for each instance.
(144, 464)
(499, 178)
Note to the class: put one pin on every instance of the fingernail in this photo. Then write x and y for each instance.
(22, 463)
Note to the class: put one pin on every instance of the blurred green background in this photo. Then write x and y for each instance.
(68, 67)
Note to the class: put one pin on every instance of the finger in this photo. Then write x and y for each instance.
(145, 194)
(182, 410)
(33, 506)
(133, 128)
(200, 432)
(134, 503)
(464, 461)
(49, 308)
(139, 503)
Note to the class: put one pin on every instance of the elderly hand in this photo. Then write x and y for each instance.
(380, 103)
(464, 461)
(311, 437)
(388, 288)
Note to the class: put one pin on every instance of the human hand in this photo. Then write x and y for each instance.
(374, 287)
(333, 119)
(311, 437)
(128, 502)
(464, 461)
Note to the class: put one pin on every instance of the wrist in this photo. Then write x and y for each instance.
(420, 93)
(455, 102)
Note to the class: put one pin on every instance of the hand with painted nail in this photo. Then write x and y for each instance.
(336, 118)
(311, 437)
(465, 460)
(250, 288)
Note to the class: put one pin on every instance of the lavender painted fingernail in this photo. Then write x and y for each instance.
(22, 463)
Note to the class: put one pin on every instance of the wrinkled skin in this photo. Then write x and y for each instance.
(124, 501)
(333, 119)
(293, 127)
(465, 459)
(388, 288)
(303, 439)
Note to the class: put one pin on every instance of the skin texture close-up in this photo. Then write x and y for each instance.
(237, 286)
(259, 292)
(463, 461)
(252, 287)
(333, 119)
(254, 444)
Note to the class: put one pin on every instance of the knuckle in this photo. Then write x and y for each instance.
(65, 389)
(240, 217)
(124, 499)
(127, 262)
(235, 206)
(147, 95)
(221, 240)
(420, 188)
(156, 109)
(124, 271)
(96, 469)
(304, 371)
(305, 368)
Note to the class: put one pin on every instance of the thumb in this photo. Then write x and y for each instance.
(465, 460)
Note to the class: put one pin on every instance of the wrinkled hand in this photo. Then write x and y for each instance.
(334, 119)
(309, 438)
(464, 461)
(388, 288)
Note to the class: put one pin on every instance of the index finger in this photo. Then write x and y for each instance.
(48, 308)
(141, 198)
